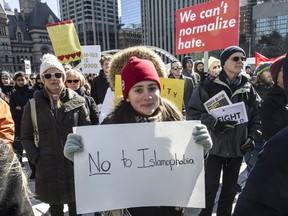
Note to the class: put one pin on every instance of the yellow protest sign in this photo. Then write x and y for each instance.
(172, 90)
(65, 41)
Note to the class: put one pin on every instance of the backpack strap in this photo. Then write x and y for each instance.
(34, 121)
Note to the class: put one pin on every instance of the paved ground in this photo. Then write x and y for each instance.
(42, 209)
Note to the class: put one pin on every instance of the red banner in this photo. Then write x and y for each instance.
(260, 58)
(208, 26)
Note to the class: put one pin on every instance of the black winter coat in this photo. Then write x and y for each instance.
(99, 87)
(266, 189)
(273, 112)
(19, 97)
(229, 143)
(54, 173)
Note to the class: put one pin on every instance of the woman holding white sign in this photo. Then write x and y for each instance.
(142, 103)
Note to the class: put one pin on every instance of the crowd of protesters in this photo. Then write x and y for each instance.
(65, 97)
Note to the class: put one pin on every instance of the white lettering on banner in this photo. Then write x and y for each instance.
(146, 154)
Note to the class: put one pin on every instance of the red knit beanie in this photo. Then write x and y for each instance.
(275, 68)
(137, 70)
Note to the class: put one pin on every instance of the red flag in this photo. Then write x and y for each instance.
(260, 58)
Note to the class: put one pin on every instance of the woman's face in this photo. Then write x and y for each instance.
(215, 67)
(53, 80)
(73, 82)
(21, 81)
(144, 97)
(6, 80)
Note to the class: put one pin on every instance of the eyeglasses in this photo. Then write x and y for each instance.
(177, 67)
(70, 81)
(49, 75)
(237, 58)
(217, 66)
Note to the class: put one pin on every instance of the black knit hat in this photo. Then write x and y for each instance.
(226, 53)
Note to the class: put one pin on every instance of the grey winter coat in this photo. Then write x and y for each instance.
(54, 173)
(227, 144)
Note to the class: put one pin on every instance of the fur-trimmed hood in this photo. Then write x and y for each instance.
(121, 58)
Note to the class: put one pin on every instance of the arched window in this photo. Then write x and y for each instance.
(19, 37)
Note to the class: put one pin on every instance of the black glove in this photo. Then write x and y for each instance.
(223, 126)
(248, 145)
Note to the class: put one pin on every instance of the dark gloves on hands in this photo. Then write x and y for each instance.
(223, 126)
(248, 145)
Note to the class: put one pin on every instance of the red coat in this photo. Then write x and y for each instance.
(6, 123)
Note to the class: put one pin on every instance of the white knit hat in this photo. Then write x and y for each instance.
(51, 61)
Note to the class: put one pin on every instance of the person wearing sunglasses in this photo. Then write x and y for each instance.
(76, 81)
(176, 73)
(58, 110)
(230, 139)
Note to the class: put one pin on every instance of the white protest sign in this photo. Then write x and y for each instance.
(91, 57)
(27, 66)
(234, 112)
(140, 164)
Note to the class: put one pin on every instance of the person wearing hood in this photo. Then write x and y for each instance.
(265, 191)
(58, 110)
(230, 139)
(118, 62)
(6, 85)
(214, 66)
(142, 103)
(75, 81)
(187, 63)
(20, 95)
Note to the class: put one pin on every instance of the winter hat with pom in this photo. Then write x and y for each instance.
(50, 61)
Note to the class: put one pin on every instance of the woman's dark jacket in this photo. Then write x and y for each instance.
(91, 106)
(19, 97)
(274, 112)
(227, 144)
(99, 87)
(54, 173)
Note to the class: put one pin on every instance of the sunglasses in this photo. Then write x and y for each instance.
(217, 66)
(70, 81)
(237, 58)
(49, 75)
(177, 67)
(32, 78)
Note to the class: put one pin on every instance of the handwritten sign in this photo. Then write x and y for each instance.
(91, 57)
(141, 164)
(27, 66)
(234, 112)
(65, 41)
(172, 90)
(204, 26)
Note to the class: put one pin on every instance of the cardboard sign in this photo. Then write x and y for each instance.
(172, 90)
(208, 26)
(141, 164)
(234, 112)
(65, 41)
(91, 57)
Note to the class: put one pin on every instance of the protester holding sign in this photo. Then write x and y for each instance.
(142, 103)
(230, 141)
(58, 109)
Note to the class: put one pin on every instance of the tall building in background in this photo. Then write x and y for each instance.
(158, 21)
(96, 21)
(131, 13)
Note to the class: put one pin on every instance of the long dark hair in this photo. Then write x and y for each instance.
(124, 113)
